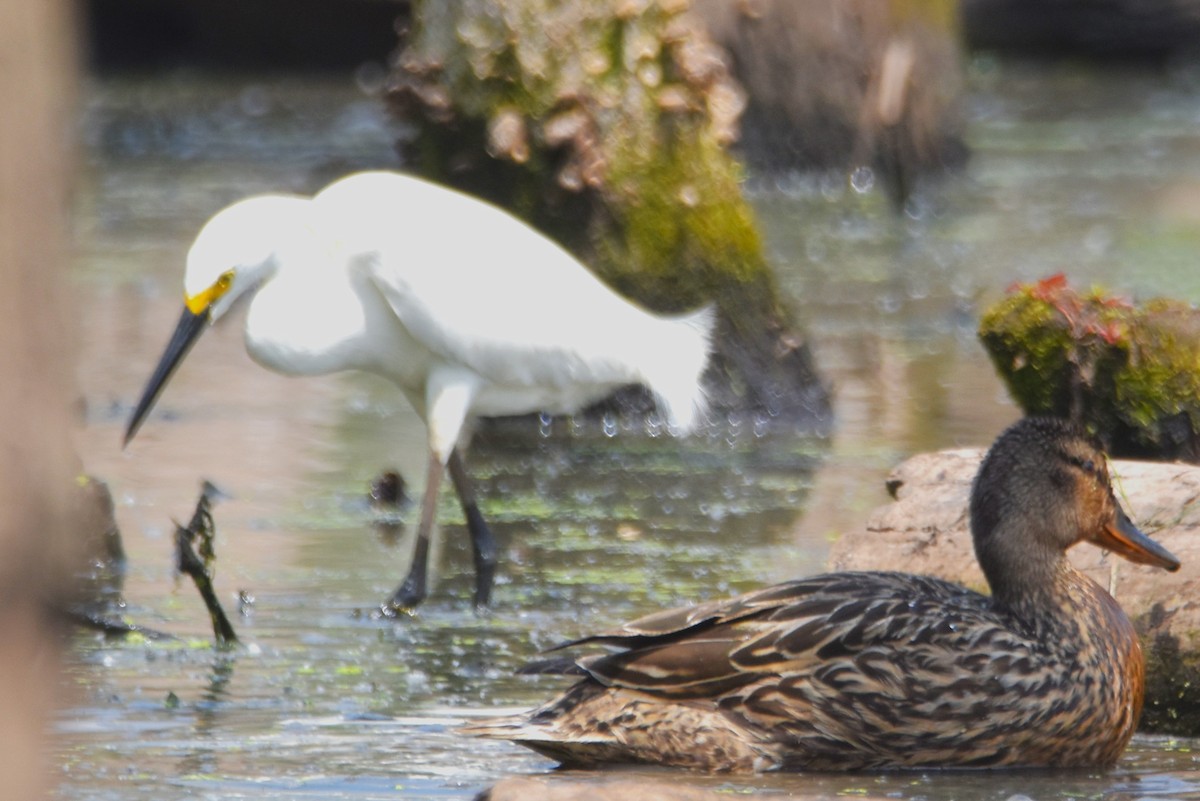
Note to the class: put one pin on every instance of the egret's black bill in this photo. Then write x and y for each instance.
(186, 333)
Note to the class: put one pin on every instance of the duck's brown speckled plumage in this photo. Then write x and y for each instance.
(870, 670)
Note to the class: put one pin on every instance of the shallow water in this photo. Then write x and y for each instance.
(1097, 175)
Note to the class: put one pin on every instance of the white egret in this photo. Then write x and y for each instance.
(465, 308)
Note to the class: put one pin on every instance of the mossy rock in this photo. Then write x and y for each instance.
(606, 125)
(1131, 373)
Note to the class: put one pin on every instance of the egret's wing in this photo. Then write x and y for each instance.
(519, 345)
(481, 288)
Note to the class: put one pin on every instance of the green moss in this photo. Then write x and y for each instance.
(1161, 376)
(1030, 348)
(1131, 373)
(683, 233)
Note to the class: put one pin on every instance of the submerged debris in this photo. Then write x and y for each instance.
(1131, 373)
(195, 557)
(388, 496)
(102, 575)
(96, 601)
(389, 491)
(109, 626)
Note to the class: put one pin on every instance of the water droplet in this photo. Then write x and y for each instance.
(370, 78)
(610, 425)
(832, 188)
(653, 426)
(915, 209)
(862, 180)
(761, 421)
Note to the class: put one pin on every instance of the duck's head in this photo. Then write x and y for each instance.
(235, 251)
(1043, 487)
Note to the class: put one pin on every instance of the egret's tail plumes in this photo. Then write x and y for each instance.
(673, 365)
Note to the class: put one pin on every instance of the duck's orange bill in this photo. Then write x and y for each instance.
(1123, 537)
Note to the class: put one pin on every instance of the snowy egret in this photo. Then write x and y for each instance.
(468, 310)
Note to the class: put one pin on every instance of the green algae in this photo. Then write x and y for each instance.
(1131, 373)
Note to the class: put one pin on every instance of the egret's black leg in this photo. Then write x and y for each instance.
(482, 542)
(410, 593)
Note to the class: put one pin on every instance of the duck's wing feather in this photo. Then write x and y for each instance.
(845, 671)
(714, 649)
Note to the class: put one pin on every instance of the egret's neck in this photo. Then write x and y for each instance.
(308, 316)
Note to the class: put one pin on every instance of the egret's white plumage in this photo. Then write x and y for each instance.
(468, 310)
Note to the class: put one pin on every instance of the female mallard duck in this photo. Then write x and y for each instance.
(871, 670)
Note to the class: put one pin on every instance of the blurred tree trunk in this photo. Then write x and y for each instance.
(36, 465)
(847, 84)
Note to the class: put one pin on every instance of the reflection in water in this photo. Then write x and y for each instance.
(1091, 175)
(390, 532)
(203, 759)
(214, 694)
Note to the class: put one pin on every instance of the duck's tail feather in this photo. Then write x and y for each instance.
(592, 725)
(550, 730)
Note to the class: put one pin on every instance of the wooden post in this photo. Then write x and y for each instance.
(37, 67)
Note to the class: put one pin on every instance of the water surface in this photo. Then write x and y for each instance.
(1096, 175)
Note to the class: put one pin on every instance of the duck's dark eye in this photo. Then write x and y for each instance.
(1086, 465)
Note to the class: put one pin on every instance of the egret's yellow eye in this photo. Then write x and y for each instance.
(200, 302)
